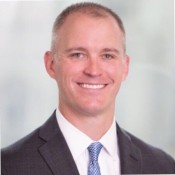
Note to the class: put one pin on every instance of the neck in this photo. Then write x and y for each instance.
(94, 126)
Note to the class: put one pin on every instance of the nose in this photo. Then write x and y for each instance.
(93, 68)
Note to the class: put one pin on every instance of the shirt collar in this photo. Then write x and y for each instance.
(76, 140)
(79, 145)
(110, 141)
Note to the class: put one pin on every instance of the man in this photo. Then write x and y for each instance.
(89, 63)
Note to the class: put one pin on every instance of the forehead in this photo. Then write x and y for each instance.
(90, 32)
(79, 20)
(85, 31)
(96, 12)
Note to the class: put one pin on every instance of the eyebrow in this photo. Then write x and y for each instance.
(111, 50)
(85, 50)
(75, 48)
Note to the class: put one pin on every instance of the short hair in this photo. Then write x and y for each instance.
(89, 8)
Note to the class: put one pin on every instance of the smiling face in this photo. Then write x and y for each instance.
(89, 64)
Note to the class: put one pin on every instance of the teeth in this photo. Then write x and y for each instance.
(92, 86)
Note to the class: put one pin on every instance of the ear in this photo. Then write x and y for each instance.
(126, 62)
(49, 63)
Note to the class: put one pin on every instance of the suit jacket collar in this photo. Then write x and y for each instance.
(55, 148)
(130, 155)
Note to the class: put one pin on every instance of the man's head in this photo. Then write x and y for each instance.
(87, 59)
(87, 8)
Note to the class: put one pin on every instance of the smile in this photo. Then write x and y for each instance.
(92, 86)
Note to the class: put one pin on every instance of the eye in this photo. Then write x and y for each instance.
(108, 56)
(77, 55)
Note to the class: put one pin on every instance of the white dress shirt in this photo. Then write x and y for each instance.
(78, 142)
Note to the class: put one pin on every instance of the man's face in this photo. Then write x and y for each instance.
(89, 64)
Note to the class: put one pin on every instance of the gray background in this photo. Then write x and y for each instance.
(145, 105)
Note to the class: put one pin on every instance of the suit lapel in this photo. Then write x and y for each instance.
(130, 155)
(55, 150)
(58, 157)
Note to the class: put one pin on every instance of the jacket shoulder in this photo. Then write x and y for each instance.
(31, 142)
(26, 143)
(23, 157)
(153, 157)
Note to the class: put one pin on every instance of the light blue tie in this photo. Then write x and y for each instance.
(94, 150)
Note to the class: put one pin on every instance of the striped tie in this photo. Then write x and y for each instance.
(94, 150)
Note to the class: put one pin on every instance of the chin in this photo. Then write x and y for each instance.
(92, 110)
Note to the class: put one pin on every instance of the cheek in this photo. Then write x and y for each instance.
(66, 72)
(115, 71)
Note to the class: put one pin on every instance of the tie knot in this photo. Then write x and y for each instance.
(94, 150)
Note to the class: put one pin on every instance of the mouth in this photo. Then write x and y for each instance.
(92, 86)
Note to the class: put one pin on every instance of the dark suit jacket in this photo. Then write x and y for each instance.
(45, 152)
